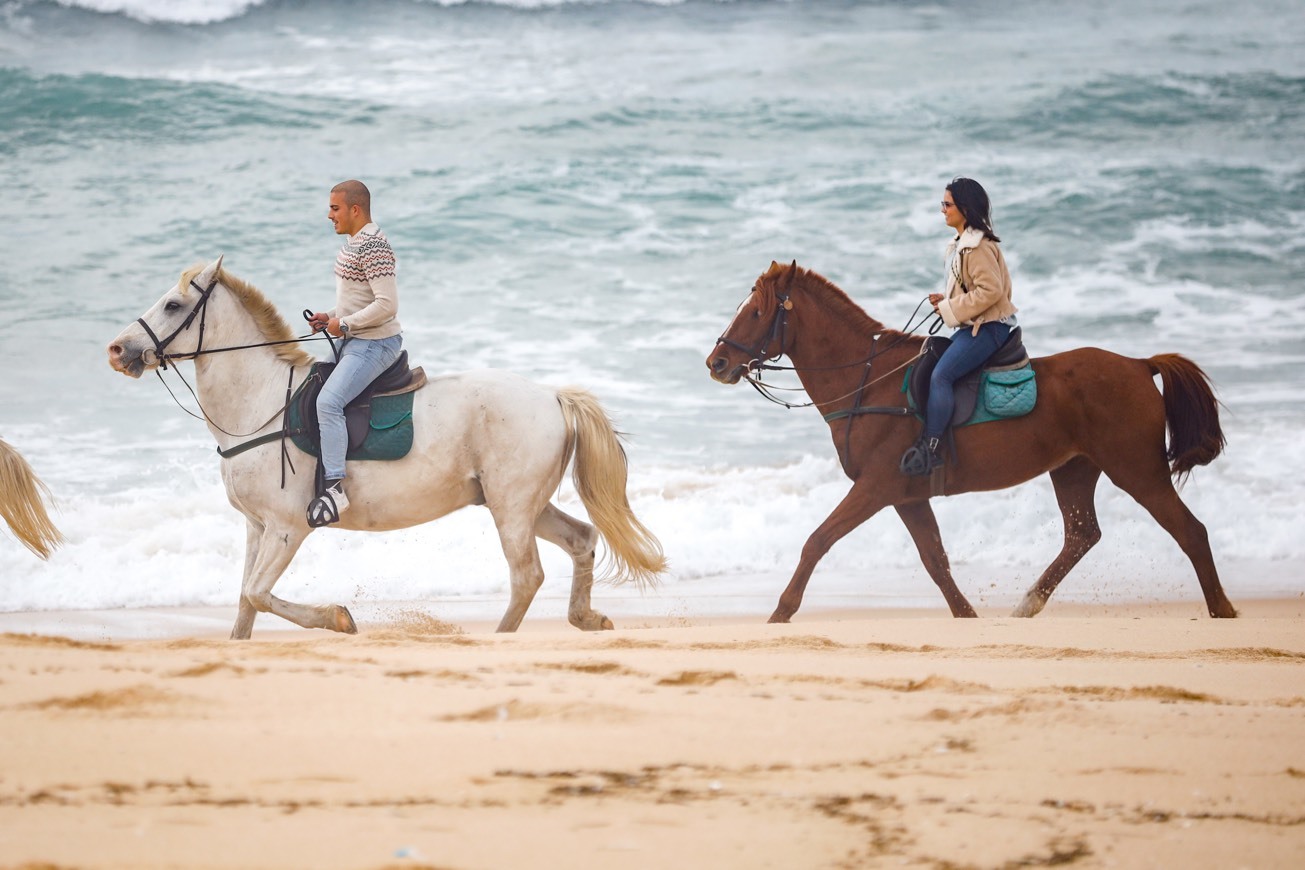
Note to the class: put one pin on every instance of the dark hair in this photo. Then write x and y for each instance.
(355, 193)
(972, 200)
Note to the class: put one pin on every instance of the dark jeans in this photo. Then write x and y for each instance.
(966, 353)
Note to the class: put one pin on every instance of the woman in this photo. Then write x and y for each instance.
(976, 302)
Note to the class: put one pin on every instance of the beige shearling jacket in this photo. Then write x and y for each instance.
(978, 282)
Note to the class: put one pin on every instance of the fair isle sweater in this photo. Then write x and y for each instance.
(366, 288)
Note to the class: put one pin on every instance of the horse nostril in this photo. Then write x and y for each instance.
(115, 350)
(718, 364)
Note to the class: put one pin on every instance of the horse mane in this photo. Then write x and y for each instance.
(840, 305)
(266, 316)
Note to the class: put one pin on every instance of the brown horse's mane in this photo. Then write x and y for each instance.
(266, 316)
(840, 305)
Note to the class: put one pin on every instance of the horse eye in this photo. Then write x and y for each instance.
(172, 305)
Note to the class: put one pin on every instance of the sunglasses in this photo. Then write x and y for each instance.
(946, 205)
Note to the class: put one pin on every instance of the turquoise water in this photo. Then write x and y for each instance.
(583, 192)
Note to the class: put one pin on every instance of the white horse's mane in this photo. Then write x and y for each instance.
(265, 314)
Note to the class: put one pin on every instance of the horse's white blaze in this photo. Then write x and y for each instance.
(484, 437)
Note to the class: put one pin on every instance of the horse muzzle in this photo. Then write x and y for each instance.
(719, 366)
(131, 361)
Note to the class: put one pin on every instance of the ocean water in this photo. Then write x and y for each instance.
(584, 191)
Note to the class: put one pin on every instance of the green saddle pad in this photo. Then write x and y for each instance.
(1001, 395)
(389, 430)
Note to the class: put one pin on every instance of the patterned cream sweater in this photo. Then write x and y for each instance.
(366, 288)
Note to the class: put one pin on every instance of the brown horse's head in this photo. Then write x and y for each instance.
(758, 331)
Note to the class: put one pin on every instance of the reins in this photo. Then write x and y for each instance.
(780, 327)
(201, 310)
(761, 361)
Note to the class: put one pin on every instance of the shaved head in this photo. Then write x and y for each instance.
(355, 193)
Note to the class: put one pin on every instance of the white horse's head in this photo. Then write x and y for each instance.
(172, 326)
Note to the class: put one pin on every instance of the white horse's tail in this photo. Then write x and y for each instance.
(22, 503)
(633, 552)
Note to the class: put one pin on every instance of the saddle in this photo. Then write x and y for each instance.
(1009, 370)
(383, 406)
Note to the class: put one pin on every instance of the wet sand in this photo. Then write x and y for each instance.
(1136, 736)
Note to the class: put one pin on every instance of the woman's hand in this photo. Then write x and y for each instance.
(934, 299)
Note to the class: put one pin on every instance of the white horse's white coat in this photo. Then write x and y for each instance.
(487, 437)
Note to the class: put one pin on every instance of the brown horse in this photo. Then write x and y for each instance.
(1096, 412)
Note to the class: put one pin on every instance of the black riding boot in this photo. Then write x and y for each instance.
(922, 457)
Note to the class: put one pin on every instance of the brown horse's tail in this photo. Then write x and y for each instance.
(1192, 412)
(22, 503)
(633, 552)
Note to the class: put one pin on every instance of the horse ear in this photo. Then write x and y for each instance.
(792, 273)
(210, 272)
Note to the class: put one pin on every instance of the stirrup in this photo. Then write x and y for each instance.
(921, 458)
(323, 511)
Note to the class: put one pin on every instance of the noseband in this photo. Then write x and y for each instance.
(201, 309)
(778, 330)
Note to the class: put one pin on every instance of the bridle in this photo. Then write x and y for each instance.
(757, 356)
(200, 310)
(760, 360)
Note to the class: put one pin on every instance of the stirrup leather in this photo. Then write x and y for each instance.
(322, 511)
(921, 458)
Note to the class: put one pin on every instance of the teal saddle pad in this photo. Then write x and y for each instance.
(386, 436)
(987, 395)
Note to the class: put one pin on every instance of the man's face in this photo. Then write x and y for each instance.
(348, 219)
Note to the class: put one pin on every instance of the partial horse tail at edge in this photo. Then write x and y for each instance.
(600, 473)
(1191, 411)
(22, 503)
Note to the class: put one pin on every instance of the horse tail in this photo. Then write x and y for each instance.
(22, 503)
(1191, 411)
(599, 472)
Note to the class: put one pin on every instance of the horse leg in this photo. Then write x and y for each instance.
(861, 503)
(920, 522)
(1156, 493)
(1075, 483)
(246, 612)
(276, 547)
(579, 540)
(517, 535)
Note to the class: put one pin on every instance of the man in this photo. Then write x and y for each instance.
(366, 305)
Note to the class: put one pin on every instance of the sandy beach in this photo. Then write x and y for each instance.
(1123, 737)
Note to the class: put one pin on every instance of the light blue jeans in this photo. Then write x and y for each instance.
(361, 361)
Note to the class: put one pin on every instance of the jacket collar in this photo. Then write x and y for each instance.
(968, 240)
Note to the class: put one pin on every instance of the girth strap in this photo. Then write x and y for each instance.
(891, 410)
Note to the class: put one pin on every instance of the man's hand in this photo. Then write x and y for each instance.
(319, 321)
(333, 327)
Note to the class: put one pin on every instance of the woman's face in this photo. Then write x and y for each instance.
(951, 214)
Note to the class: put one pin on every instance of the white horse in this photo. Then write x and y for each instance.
(22, 503)
(481, 438)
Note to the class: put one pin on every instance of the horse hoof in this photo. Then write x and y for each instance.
(344, 621)
(777, 618)
(593, 621)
